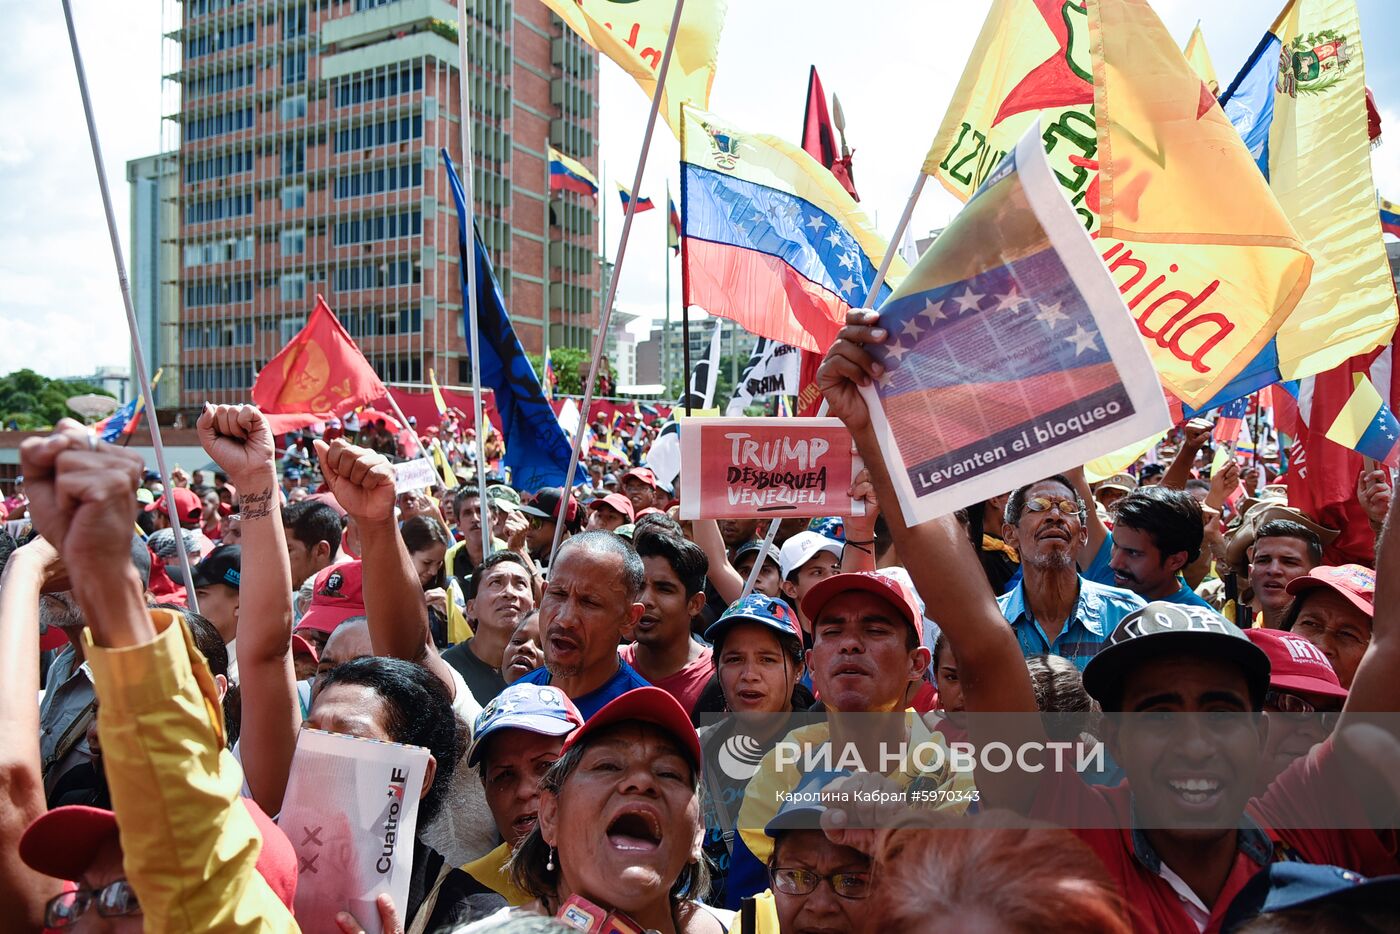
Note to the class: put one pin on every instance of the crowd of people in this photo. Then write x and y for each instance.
(581, 707)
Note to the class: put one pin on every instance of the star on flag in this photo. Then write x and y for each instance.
(1010, 301)
(817, 223)
(834, 238)
(1050, 314)
(1083, 340)
(847, 261)
(846, 285)
(894, 351)
(911, 328)
(968, 300)
(932, 312)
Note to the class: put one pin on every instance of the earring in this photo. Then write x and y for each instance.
(549, 866)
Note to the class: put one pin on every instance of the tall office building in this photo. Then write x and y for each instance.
(154, 267)
(308, 159)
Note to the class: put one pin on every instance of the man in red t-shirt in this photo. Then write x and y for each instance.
(664, 653)
(1183, 834)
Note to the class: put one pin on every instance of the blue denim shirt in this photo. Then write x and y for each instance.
(1097, 612)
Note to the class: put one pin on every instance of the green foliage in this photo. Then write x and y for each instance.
(34, 402)
(571, 368)
(724, 383)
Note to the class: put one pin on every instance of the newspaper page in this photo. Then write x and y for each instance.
(1011, 355)
(351, 812)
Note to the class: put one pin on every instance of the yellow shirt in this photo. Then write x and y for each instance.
(190, 847)
(490, 870)
(770, 785)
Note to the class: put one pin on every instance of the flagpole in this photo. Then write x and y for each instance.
(468, 185)
(685, 280)
(601, 336)
(666, 330)
(762, 556)
(544, 290)
(873, 295)
(140, 356)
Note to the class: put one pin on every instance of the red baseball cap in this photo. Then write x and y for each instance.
(617, 501)
(301, 647)
(647, 705)
(336, 598)
(1295, 664)
(1353, 581)
(871, 582)
(187, 505)
(63, 842)
(643, 474)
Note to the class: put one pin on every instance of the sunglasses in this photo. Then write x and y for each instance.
(114, 900)
(1045, 504)
(1298, 708)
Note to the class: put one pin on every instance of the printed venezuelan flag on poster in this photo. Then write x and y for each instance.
(771, 239)
(1208, 265)
(1300, 105)
(634, 36)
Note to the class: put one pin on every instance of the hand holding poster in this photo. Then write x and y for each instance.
(740, 468)
(417, 474)
(1011, 355)
(351, 812)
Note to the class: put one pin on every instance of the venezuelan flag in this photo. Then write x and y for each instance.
(438, 401)
(1229, 422)
(1390, 217)
(643, 204)
(772, 240)
(567, 174)
(673, 226)
(125, 419)
(1367, 425)
(1299, 103)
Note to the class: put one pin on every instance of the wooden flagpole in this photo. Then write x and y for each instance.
(606, 316)
(140, 356)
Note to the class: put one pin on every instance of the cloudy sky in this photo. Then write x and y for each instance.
(894, 64)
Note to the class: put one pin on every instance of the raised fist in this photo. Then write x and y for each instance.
(361, 480)
(238, 439)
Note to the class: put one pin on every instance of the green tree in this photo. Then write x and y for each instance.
(571, 368)
(30, 402)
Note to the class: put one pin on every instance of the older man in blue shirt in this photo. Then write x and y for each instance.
(1054, 610)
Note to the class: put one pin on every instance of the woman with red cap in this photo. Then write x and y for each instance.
(619, 826)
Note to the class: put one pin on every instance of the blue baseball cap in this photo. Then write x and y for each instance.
(803, 807)
(534, 708)
(1285, 885)
(757, 608)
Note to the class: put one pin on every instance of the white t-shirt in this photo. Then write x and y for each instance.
(464, 829)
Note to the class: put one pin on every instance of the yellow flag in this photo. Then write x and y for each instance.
(634, 36)
(1320, 171)
(1199, 57)
(1101, 468)
(1182, 196)
(1210, 281)
(437, 393)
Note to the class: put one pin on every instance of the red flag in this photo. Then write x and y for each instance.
(809, 398)
(320, 371)
(819, 137)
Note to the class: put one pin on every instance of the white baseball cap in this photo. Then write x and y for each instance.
(803, 547)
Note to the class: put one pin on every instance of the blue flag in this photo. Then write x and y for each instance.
(537, 450)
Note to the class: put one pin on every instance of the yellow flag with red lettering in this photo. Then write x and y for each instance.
(634, 36)
(1199, 57)
(1205, 259)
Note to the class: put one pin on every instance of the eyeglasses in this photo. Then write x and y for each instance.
(1299, 708)
(1045, 504)
(851, 885)
(114, 900)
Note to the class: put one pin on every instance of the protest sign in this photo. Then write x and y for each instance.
(738, 468)
(351, 812)
(773, 369)
(416, 474)
(1011, 355)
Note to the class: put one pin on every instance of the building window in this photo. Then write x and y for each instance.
(231, 121)
(218, 292)
(293, 286)
(293, 197)
(199, 212)
(294, 107)
(377, 181)
(381, 133)
(377, 275)
(219, 251)
(294, 157)
(294, 67)
(383, 227)
(379, 85)
(294, 242)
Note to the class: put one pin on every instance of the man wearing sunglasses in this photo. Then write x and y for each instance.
(1303, 702)
(1055, 610)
